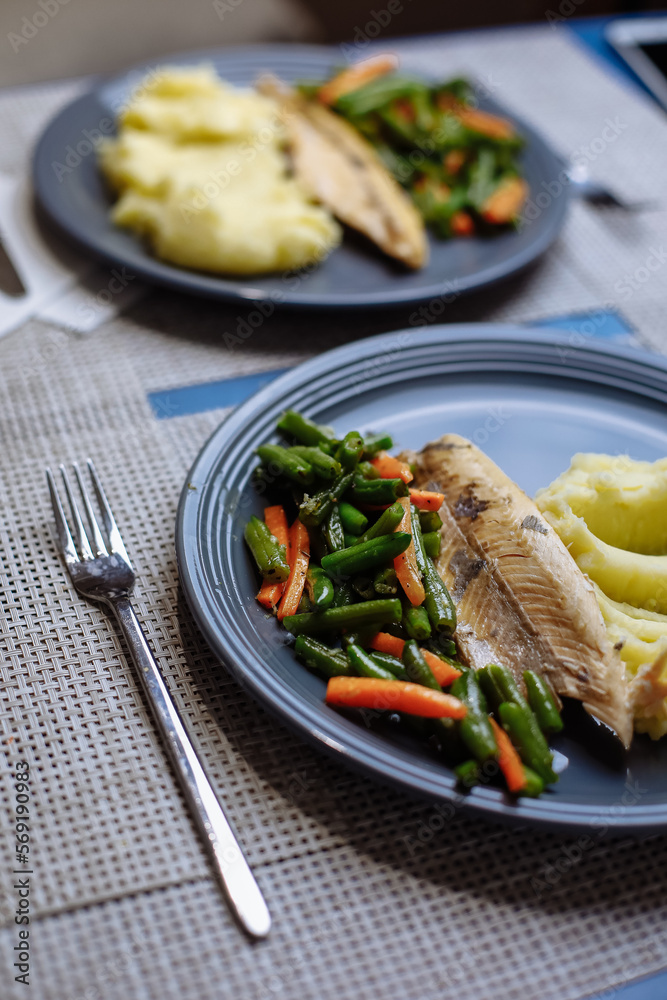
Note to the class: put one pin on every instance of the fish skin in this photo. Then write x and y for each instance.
(526, 604)
(342, 171)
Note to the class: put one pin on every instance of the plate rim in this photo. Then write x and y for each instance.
(539, 812)
(240, 290)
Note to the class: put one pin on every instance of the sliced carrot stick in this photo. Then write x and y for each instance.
(506, 201)
(355, 76)
(269, 595)
(399, 696)
(276, 521)
(298, 557)
(454, 160)
(392, 468)
(481, 121)
(405, 565)
(444, 673)
(426, 499)
(386, 643)
(462, 224)
(508, 759)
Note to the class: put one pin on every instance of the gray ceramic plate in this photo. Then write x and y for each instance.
(530, 400)
(70, 189)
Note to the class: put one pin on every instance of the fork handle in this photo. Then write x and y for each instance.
(241, 889)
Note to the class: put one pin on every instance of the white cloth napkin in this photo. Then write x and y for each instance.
(62, 287)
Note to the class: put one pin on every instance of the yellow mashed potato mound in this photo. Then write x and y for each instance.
(201, 174)
(611, 512)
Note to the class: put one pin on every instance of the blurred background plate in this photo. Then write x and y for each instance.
(355, 275)
(530, 400)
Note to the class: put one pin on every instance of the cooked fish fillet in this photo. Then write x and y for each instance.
(343, 171)
(521, 599)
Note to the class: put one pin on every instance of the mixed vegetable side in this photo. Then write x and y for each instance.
(460, 164)
(353, 579)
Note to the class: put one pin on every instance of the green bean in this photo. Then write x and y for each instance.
(349, 450)
(475, 730)
(350, 617)
(420, 554)
(284, 463)
(269, 555)
(363, 586)
(429, 520)
(368, 471)
(377, 442)
(388, 520)
(416, 666)
(494, 696)
(325, 661)
(524, 732)
(390, 663)
(386, 581)
(432, 544)
(362, 637)
(377, 93)
(313, 510)
(469, 773)
(319, 586)
(452, 661)
(506, 684)
(343, 595)
(438, 602)
(305, 430)
(349, 539)
(443, 647)
(377, 492)
(363, 664)
(323, 465)
(542, 702)
(416, 622)
(367, 555)
(353, 520)
(534, 785)
(333, 530)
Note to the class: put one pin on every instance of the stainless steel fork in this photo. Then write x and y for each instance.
(101, 570)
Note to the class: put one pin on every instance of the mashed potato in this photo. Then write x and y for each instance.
(611, 512)
(201, 174)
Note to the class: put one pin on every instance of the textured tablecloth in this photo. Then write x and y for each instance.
(372, 893)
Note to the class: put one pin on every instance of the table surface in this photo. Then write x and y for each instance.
(372, 893)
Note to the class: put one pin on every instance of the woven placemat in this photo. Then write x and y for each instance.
(372, 893)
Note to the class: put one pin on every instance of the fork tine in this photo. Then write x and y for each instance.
(115, 539)
(64, 536)
(98, 541)
(79, 530)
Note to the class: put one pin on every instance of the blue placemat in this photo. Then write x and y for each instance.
(606, 324)
(590, 32)
(648, 988)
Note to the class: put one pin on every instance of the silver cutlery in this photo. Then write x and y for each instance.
(585, 187)
(101, 570)
(10, 280)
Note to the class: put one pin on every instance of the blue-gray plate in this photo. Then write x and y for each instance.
(70, 189)
(530, 400)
